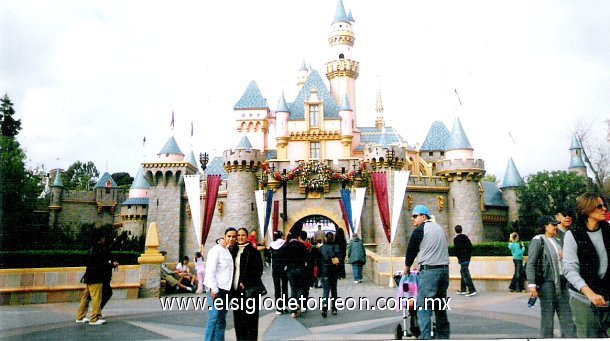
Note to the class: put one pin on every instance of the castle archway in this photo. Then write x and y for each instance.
(319, 212)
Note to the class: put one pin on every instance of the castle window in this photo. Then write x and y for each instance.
(314, 115)
(341, 56)
(442, 153)
(314, 150)
(430, 153)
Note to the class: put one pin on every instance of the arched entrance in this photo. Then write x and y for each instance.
(316, 213)
(310, 225)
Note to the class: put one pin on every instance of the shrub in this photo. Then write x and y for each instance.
(57, 258)
(489, 249)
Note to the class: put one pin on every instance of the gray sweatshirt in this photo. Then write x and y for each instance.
(571, 265)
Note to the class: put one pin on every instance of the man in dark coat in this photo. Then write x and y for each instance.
(463, 252)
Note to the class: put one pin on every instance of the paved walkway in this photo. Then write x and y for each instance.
(484, 316)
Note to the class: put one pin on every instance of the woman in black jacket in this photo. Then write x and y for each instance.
(329, 271)
(248, 272)
(342, 243)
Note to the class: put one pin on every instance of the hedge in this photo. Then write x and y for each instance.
(57, 258)
(490, 249)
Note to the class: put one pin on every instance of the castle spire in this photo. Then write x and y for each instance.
(512, 178)
(281, 104)
(58, 182)
(458, 138)
(340, 15)
(379, 122)
(577, 165)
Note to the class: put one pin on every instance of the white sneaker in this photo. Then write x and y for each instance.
(356, 282)
(84, 320)
(98, 322)
(471, 293)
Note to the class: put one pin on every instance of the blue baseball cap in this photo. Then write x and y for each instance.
(421, 209)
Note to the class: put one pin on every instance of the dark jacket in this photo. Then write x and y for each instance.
(250, 267)
(462, 248)
(326, 268)
(295, 255)
(356, 253)
(99, 266)
(589, 260)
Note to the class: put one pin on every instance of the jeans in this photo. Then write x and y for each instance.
(550, 303)
(280, 284)
(217, 319)
(433, 283)
(297, 279)
(518, 282)
(587, 319)
(329, 284)
(357, 268)
(466, 283)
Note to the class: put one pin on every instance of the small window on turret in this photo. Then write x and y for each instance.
(442, 153)
(430, 153)
(341, 56)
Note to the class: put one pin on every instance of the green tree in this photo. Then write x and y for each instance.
(547, 193)
(19, 187)
(122, 179)
(80, 176)
(490, 178)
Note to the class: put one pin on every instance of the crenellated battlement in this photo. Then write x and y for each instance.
(341, 37)
(236, 160)
(342, 67)
(459, 169)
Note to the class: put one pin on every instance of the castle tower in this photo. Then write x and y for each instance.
(281, 124)
(512, 180)
(56, 193)
(166, 204)
(134, 210)
(106, 194)
(342, 70)
(347, 133)
(379, 122)
(251, 116)
(577, 165)
(302, 75)
(463, 173)
(433, 147)
(241, 164)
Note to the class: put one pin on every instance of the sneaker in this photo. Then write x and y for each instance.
(471, 293)
(84, 320)
(303, 309)
(278, 312)
(459, 292)
(189, 289)
(324, 314)
(356, 282)
(334, 311)
(293, 315)
(98, 322)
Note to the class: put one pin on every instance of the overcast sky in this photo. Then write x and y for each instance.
(90, 79)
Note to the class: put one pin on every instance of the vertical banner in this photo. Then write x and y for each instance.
(276, 218)
(357, 205)
(380, 185)
(259, 195)
(193, 193)
(401, 180)
(210, 204)
(344, 214)
(347, 202)
(268, 210)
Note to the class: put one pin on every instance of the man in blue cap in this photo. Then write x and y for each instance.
(429, 244)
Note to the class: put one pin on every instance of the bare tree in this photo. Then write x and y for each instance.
(596, 152)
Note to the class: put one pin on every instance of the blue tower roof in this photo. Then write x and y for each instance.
(340, 15)
(101, 183)
(577, 162)
(251, 99)
(458, 139)
(58, 182)
(303, 66)
(244, 143)
(437, 137)
(512, 178)
(171, 147)
(373, 135)
(350, 17)
(190, 158)
(331, 109)
(345, 104)
(216, 167)
(281, 104)
(492, 196)
(575, 143)
(139, 182)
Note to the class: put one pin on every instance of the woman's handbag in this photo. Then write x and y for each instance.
(256, 290)
(335, 260)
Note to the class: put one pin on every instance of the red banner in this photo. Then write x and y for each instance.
(345, 218)
(380, 185)
(210, 204)
(276, 215)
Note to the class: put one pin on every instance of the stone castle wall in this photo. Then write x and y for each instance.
(240, 200)
(465, 209)
(510, 197)
(164, 208)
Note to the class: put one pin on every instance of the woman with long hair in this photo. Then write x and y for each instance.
(341, 241)
(517, 249)
(248, 272)
(586, 265)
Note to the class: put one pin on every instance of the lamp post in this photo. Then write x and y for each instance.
(203, 159)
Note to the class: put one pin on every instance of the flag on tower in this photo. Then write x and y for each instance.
(191, 128)
(172, 123)
(144, 141)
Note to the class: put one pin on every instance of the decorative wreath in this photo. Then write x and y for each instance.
(315, 175)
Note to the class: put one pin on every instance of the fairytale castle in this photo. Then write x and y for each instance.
(305, 151)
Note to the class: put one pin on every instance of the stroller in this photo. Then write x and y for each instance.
(406, 294)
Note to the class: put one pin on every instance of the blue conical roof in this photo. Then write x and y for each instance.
(512, 178)
(190, 158)
(331, 109)
(437, 137)
(139, 182)
(345, 104)
(575, 143)
(577, 162)
(350, 17)
(58, 182)
(244, 143)
(340, 15)
(101, 183)
(281, 104)
(252, 98)
(303, 66)
(171, 147)
(458, 139)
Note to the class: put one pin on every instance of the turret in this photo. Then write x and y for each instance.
(342, 70)
(577, 165)
(433, 147)
(241, 164)
(302, 75)
(106, 193)
(281, 125)
(251, 116)
(463, 173)
(512, 180)
(379, 122)
(134, 210)
(55, 203)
